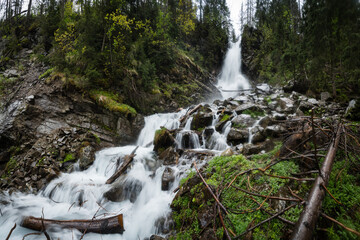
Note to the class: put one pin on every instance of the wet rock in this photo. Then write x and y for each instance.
(156, 237)
(228, 152)
(353, 110)
(208, 132)
(189, 140)
(313, 101)
(265, 88)
(242, 99)
(202, 118)
(122, 190)
(250, 149)
(324, 96)
(247, 106)
(162, 140)
(164, 225)
(265, 121)
(280, 116)
(305, 106)
(286, 104)
(167, 179)
(86, 156)
(237, 136)
(11, 73)
(169, 156)
(259, 136)
(274, 131)
(243, 121)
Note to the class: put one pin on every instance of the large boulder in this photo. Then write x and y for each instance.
(124, 190)
(202, 118)
(167, 179)
(243, 121)
(237, 136)
(169, 156)
(250, 107)
(162, 140)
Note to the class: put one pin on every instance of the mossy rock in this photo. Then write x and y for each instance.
(162, 140)
(202, 118)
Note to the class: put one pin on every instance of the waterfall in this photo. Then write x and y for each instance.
(231, 78)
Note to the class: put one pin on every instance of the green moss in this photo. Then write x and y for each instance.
(254, 114)
(225, 118)
(68, 157)
(112, 102)
(46, 73)
(11, 164)
(40, 162)
(98, 140)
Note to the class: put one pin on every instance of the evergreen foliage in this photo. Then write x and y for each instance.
(316, 46)
(123, 45)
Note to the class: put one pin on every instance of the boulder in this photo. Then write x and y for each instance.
(124, 190)
(243, 121)
(324, 96)
(275, 130)
(265, 121)
(202, 118)
(167, 179)
(247, 106)
(313, 101)
(258, 137)
(169, 156)
(265, 88)
(250, 149)
(86, 156)
(286, 104)
(156, 237)
(162, 140)
(227, 153)
(237, 136)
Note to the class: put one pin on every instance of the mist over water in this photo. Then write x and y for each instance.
(231, 77)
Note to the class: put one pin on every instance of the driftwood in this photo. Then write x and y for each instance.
(185, 117)
(305, 226)
(113, 224)
(127, 160)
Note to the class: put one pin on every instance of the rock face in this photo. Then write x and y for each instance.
(50, 122)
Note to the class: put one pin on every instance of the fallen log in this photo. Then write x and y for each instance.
(183, 118)
(305, 226)
(113, 224)
(127, 160)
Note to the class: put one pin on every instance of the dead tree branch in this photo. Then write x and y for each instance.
(308, 218)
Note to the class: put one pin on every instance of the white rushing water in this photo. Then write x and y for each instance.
(231, 77)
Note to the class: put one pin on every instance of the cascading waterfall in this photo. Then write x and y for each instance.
(138, 194)
(231, 78)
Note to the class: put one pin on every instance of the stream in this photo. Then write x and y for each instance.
(138, 193)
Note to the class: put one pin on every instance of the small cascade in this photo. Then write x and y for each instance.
(252, 130)
(231, 77)
(186, 138)
(155, 121)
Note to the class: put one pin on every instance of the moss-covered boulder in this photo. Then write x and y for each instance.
(202, 118)
(163, 139)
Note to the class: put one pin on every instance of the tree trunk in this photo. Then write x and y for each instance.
(127, 160)
(29, 10)
(105, 225)
(305, 226)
